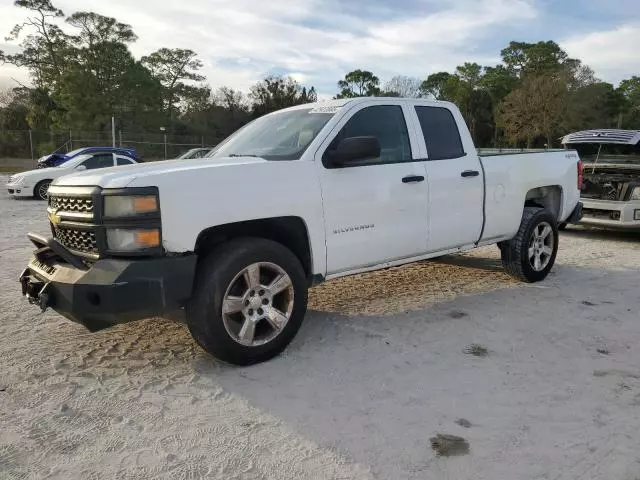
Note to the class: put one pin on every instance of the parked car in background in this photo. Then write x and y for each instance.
(611, 185)
(309, 193)
(35, 183)
(195, 153)
(57, 158)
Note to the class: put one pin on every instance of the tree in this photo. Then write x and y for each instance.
(592, 106)
(497, 82)
(359, 83)
(105, 81)
(274, 93)
(171, 67)
(533, 58)
(629, 93)
(535, 109)
(230, 99)
(435, 86)
(14, 108)
(45, 48)
(96, 29)
(403, 86)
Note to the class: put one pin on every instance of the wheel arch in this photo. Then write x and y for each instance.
(38, 183)
(548, 197)
(289, 231)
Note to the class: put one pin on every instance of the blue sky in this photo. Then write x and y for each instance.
(318, 41)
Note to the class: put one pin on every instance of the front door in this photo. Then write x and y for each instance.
(376, 211)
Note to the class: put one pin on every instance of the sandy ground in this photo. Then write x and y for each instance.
(378, 368)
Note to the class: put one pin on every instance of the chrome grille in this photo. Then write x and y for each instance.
(71, 204)
(79, 240)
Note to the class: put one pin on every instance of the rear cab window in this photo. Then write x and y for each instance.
(440, 131)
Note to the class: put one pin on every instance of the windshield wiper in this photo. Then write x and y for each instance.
(243, 155)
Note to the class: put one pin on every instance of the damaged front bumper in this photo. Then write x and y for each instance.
(109, 291)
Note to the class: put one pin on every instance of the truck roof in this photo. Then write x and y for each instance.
(603, 135)
(341, 102)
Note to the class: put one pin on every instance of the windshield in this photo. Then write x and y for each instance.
(188, 153)
(74, 152)
(280, 136)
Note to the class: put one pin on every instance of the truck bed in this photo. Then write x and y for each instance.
(508, 176)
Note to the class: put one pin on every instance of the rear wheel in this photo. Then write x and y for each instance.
(530, 255)
(249, 301)
(41, 188)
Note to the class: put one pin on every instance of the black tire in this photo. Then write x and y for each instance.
(41, 186)
(215, 272)
(514, 253)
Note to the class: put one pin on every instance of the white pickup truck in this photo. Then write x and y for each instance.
(294, 198)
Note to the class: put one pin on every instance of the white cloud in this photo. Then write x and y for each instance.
(316, 40)
(613, 54)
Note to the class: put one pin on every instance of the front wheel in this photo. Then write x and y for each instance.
(41, 190)
(530, 255)
(249, 300)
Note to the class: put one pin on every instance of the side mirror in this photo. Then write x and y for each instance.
(81, 167)
(354, 149)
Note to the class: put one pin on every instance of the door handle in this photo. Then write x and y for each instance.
(470, 173)
(413, 179)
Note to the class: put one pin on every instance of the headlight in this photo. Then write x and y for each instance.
(130, 240)
(16, 179)
(130, 205)
(635, 195)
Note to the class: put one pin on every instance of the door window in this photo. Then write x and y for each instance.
(124, 161)
(100, 160)
(387, 124)
(440, 132)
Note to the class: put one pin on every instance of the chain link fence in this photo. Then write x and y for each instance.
(32, 144)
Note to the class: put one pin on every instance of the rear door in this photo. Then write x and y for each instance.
(454, 177)
(375, 211)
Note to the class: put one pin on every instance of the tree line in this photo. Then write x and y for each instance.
(534, 96)
(84, 74)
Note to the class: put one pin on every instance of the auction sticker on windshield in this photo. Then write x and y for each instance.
(327, 109)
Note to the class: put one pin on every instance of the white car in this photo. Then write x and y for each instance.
(35, 183)
(296, 197)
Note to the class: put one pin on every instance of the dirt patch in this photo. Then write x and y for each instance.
(446, 445)
(463, 422)
(476, 350)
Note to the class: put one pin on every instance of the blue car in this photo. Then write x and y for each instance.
(55, 159)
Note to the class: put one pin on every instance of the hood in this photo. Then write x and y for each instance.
(120, 177)
(53, 156)
(40, 172)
